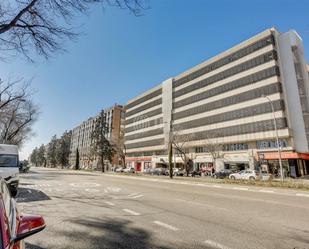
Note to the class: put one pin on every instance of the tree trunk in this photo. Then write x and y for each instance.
(170, 163)
(102, 163)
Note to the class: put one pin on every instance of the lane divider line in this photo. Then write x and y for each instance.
(170, 227)
(266, 191)
(136, 196)
(304, 195)
(215, 244)
(131, 211)
(240, 188)
(109, 203)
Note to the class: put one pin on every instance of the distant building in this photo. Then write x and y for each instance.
(82, 137)
(222, 101)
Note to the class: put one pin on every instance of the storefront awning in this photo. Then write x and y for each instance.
(284, 155)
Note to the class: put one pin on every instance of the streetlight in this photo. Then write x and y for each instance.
(276, 130)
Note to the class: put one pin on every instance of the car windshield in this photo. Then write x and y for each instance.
(8, 160)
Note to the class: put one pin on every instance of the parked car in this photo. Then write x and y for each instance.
(119, 170)
(266, 176)
(147, 170)
(224, 173)
(195, 173)
(178, 172)
(158, 171)
(245, 175)
(129, 170)
(14, 226)
(9, 166)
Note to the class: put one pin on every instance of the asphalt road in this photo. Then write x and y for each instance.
(91, 210)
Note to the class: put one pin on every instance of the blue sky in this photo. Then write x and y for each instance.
(119, 55)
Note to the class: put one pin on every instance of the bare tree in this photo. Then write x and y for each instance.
(17, 112)
(214, 146)
(43, 25)
(177, 143)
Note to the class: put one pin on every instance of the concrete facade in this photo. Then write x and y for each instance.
(82, 137)
(222, 101)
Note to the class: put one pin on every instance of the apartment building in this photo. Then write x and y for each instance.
(225, 103)
(82, 137)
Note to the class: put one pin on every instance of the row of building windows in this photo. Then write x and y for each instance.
(147, 153)
(245, 96)
(264, 144)
(232, 115)
(145, 98)
(144, 107)
(270, 144)
(144, 134)
(259, 60)
(144, 125)
(264, 74)
(153, 142)
(228, 59)
(260, 126)
(144, 116)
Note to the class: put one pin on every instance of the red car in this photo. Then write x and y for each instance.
(14, 227)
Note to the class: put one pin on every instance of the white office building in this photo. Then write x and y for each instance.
(226, 101)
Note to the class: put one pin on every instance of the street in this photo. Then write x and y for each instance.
(91, 210)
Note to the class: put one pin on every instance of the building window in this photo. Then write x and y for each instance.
(201, 150)
(271, 144)
(234, 147)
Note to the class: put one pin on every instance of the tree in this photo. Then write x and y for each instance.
(52, 152)
(33, 156)
(41, 156)
(63, 149)
(214, 146)
(77, 159)
(119, 148)
(178, 143)
(43, 25)
(17, 112)
(101, 146)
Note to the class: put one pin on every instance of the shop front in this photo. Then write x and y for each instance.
(293, 164)
(139, 163)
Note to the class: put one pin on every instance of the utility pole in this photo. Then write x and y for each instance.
(277, 136)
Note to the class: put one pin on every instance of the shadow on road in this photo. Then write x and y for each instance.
(109, 234)
(30, 195)
(31, 246)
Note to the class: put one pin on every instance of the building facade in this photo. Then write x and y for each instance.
(225, 104)
(82, 137)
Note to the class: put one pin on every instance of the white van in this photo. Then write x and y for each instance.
(9, 166)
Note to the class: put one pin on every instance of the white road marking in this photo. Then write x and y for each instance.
(91, 190)
(216, 244)
(159, 223)
(136, 196)
(202, 204)
(84, 184)
(113, 189)
(216, 186)
(130, 211)
(132, 194)
(266, 191)
(304, 195)
(109, 203)
(240, 188)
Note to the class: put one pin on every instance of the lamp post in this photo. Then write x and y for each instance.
(276, 131)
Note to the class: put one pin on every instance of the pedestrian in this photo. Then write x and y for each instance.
(212, 171)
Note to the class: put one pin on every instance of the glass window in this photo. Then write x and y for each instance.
(8, 160)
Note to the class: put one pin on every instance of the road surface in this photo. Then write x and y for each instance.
(91, 210)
